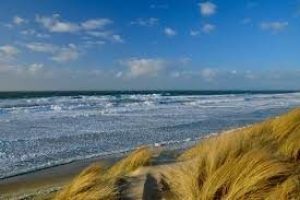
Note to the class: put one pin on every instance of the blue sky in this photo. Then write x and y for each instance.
(134, 44)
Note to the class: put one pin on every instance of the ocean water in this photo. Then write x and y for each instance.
(44, 129)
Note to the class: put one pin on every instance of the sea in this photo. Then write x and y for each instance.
(44, 129)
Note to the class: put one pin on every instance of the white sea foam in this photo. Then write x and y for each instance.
(47, 131)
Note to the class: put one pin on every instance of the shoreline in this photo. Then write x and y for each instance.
(171, 145)
(92, 157)
(48, 178)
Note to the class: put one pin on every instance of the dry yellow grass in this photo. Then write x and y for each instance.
(291, 147)
(249, 176)
(95, 183)
(289, 189)
(257, 162)
(89, 184)
(140, 157)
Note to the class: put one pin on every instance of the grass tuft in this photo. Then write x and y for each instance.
(140, 157)
(89, 184)
(96, 183)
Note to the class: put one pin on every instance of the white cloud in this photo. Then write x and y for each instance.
(106, 35)
(208, 74)
(119, 74)
(100, 34)
(185, 60)
(92, 27)
(32, 32)
(275, 26)
(144, 66)
(208, 28)
(58, 53)
(175, 74)
(117, 38)
(8, 25)
(149, 22)
(22, 70)
(234, 72)
(42, 47)
(42, 35)
(34, 68)
(28, 32)
(54, 23)
(95, 24)
(194, 33)
(170, 32)
(65, 54)
(8, 52)
(17, 20)
(207, 8)
(92, 43)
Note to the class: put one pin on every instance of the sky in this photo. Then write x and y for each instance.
(146, 45)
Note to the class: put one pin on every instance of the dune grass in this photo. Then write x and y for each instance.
(257, 162)
(140, 157)
(96, 183)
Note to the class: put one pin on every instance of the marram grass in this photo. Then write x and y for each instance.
(257, 162)
(95, 183)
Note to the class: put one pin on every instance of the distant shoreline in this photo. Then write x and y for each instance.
(39, 94)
